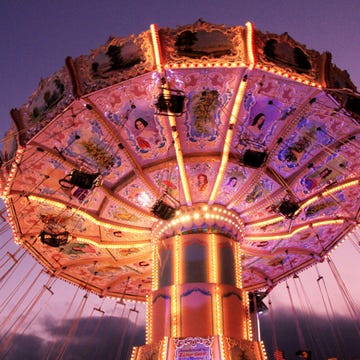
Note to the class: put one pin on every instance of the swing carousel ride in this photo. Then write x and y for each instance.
(186, 168)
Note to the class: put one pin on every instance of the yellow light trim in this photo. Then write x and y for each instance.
(222, 348)
(155, 268)
(213, 260)
(13, 171)
(267, 222)
(238, 265)
(178, 261)
(228, 138)
(149, 316)
(191, 214)
(295, 231)
(309, 201)
(217, 313)
(245, 320)
(11, 221)
(249, 323)
(180, 158)
(134, 353)
(263, 350)
(156, 45)
(172, 120)
(175, 311)
(137, 244)
(330, 191)
(88, 217)
(164, 347)
(250, 44)
(347, 236)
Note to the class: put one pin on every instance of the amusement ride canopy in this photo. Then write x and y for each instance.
(186, 166)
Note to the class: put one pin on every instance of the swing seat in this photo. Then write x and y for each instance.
(54, 240)
(172, 103)
(162, 210)
(80, 179)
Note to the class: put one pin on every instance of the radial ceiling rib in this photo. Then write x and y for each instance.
(95, 219)
(241, 88)
(240, 91)
(171, 117)
(295, 230)
(268, 254)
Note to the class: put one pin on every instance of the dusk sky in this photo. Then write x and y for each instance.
(36, 38)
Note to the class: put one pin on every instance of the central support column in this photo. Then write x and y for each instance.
(198, 290)
(197, 308)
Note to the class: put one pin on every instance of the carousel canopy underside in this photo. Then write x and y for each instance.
(261, 141)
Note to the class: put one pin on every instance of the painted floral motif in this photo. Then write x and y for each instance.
(204, 115)
(75, 250)
(166, 180)
(297, 147)
(260, 189)
(327, 207)
(121, 214)
(102, 157)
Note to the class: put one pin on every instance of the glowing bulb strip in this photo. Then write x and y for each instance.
(104, 245)
(238, 265)
(250, 44)
(165, 346)
(178, 261)
(156, 45)
(222, 348)
(188, 216)
(175, 311)
(217, 313)
(263, 350)
(295, 231)
(179, 158)
(11, 221)
(249, 335)
(171, 117)
(246, 321)
(329, 191)
(273, 220)
(149, 319)
(84, 214)
(134, 353)
(282, 73)
(13, 170)
(228, 138)
(350, 233)
(155, 268)
(213, 260)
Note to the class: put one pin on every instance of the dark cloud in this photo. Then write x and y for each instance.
(87, 338)
(113, 338)
(338, 337)
(27, 347)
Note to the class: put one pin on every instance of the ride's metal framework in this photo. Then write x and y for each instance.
(186, 167)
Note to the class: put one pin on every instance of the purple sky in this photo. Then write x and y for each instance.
(38, 35)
